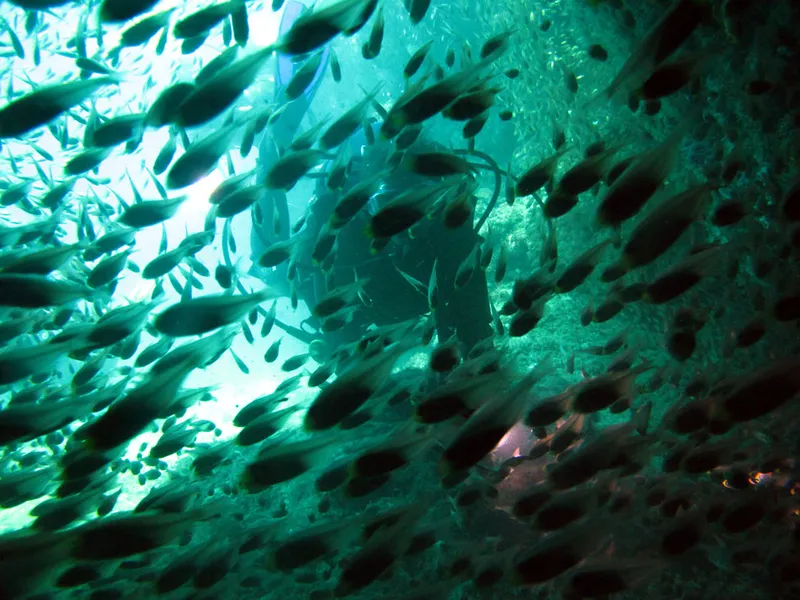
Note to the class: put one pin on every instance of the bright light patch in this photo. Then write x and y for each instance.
(505, 440)
(514, 443)
(126, 175)
(264, 27)
(196, 205)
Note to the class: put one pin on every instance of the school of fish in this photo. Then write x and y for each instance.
(630, 429)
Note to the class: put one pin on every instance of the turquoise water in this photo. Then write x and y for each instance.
(287, 436)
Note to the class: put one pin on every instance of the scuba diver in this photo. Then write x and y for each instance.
(395, 279)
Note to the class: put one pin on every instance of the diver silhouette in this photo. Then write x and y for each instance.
(386, 275)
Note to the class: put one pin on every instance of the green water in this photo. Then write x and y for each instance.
(681, 477)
